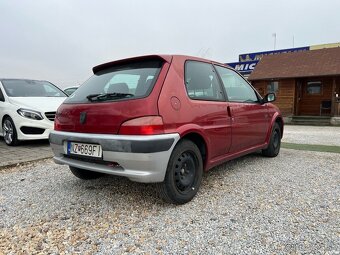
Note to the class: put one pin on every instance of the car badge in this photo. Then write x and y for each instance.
(82, 118)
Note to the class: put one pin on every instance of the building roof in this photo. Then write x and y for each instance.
(324, 62)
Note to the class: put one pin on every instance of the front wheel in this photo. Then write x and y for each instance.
(274, 145)
(9, 132)
(184, 174)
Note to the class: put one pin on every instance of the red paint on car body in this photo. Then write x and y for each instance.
(228, 129)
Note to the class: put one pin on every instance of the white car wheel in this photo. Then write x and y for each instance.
(9, 132)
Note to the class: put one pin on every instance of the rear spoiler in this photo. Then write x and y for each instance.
(96, 69)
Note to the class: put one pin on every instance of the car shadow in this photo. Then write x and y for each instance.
(231, 164)
(33, 143)
(115, 188)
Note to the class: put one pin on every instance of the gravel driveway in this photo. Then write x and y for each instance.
(312, 135)
(289, 204)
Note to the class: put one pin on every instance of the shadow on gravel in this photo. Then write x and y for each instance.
(229, 165)
(113, 190)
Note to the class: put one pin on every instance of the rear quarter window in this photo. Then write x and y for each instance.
(136, 79)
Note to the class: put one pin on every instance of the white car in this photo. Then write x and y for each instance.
(27, 109)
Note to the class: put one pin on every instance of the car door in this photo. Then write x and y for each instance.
(250, 120)
(208, 107)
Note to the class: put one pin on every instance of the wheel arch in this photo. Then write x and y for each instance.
(198, 139)
(3, 119)
(279, 121)
(277, 118)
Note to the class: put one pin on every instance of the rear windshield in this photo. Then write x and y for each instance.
(29, 88)
(123, 82)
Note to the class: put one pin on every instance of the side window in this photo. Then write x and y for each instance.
(238, 90)
(51, 91)
(201, 81)
(2, 98)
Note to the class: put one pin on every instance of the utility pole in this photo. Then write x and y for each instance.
(293, 41)
(274, 35)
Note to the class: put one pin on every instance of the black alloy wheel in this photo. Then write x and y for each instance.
(184, 174)
(184, 171)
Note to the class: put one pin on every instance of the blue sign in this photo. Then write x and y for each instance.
(245, 67)
(256, 56)
(248, 61)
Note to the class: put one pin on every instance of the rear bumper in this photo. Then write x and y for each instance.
(139, 158)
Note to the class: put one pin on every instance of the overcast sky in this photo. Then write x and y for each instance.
(61, 41)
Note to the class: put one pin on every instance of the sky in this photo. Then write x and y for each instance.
(61, 40)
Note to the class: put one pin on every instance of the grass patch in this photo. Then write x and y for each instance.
(311, 147)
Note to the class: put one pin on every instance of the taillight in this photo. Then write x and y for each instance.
(150, 125)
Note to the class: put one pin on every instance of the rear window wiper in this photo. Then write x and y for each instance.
(107, 96)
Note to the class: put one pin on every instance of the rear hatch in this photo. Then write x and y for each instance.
(117, 92)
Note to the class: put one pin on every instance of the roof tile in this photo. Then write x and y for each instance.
(322, 62)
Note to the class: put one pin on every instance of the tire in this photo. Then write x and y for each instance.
(274, 145)
(9, 132)
(183, 175)
(85, 174)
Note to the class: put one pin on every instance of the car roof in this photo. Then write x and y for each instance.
(166, 58)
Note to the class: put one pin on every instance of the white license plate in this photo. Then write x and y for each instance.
(84, 149)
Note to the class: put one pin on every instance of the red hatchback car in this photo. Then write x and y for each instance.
(163, 119)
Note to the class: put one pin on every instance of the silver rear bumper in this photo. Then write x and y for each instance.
(139, 158)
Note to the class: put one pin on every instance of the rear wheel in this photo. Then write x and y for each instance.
(274, 145)
(184, 174)
(9, 132)
(85, 174)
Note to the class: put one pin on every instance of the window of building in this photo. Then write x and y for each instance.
(314, 87)
(201, 81)
(273, 87)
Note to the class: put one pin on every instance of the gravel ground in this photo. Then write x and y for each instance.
(312, 135)
(289, 204)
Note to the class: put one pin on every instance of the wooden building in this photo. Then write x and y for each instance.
(306, 83)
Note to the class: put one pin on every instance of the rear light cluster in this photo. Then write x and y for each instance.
(150, 125)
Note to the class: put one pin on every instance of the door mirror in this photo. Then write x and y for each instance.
(270, 97)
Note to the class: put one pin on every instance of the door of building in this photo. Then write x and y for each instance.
(313, 97)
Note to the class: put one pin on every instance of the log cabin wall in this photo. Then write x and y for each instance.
(285, 95)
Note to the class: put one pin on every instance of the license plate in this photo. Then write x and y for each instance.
(84, 149)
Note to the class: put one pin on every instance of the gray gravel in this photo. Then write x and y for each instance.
(289, 204)
(312, 135)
